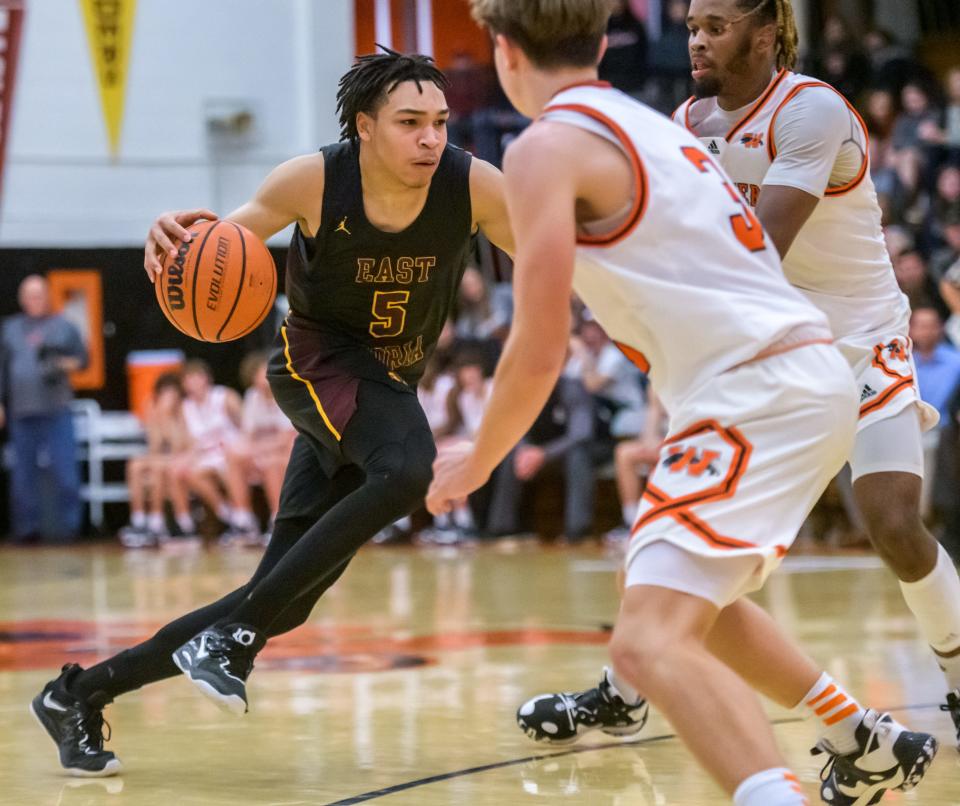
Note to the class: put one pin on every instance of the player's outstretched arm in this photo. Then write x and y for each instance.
(488, 200)
(541, 201)
(291, 192)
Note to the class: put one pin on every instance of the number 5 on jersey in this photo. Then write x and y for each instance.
(745, 225)
(389, 313)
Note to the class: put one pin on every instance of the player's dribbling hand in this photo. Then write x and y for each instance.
(168, 228)
(454, 477)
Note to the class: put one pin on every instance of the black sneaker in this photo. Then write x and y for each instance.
(76, 727)
(889, 757)
(562, 718)
(952, 707)
(218, 662)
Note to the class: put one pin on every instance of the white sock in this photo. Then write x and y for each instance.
(241, 519)
(838, 713)
(935, 601)
(186, 524)
(776, 787)
(155, 522)
(137, 519)
(463, 517)
(627, 692)
(223, 512)
(629, 514)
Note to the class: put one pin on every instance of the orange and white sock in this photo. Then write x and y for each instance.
(838, 713)
(776, 787)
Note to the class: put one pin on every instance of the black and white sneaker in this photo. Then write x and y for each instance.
(952, 707)
(889, 757)
(218, 662)
(563, 718)
(76, 727)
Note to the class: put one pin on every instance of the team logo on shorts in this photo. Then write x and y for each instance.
(704, 463)
(893, 358)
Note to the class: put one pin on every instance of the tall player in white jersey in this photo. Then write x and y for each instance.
(608, 198)
(797, 151)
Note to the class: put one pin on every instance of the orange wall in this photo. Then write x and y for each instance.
(365, 26)
(454, 30)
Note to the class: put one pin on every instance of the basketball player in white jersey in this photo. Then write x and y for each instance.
(610, 199)
(797, 152)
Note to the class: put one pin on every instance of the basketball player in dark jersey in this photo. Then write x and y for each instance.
(384, 221)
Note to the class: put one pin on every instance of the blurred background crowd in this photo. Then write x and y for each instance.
(212, 458)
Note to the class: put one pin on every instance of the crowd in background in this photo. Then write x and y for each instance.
(215, 460)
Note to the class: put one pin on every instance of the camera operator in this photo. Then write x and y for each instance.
(39, 349)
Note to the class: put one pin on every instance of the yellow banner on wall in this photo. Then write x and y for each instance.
(109, 26)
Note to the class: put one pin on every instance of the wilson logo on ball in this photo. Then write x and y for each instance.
(220, 285)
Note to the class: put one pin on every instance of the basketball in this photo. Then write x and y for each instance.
(221, 284)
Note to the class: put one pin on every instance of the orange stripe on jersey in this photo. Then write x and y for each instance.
(638, 359)
(864, 164)
(761, 102)
(639, 205)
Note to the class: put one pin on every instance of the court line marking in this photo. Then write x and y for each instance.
(497, 765)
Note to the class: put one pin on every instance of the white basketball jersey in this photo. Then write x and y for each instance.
(687, 284)
(209, 423)
(839, 259)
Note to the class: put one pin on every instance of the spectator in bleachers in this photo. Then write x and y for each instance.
(937, 361)
(566, 437)
(484, 310)
(913, 279)
(840, 60)
(608, 375)
(950, 293)
(625, 62)
(633, 460)
(148, 475)
(915, 127)
(466, 401)
(892, 64)
(938, 376)
(948, 228)
(670, 59)
(262, 452)
(39, 350)
(213, 415)
(880, 115)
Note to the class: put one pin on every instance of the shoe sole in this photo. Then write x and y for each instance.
(112, 767)
(229, 703)
(616, 733)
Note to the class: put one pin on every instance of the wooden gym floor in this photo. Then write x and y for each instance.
(403, 686)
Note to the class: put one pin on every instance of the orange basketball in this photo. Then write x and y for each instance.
(221, 284)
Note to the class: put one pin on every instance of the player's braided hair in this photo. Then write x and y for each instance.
(781, 13)
(366, 85)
